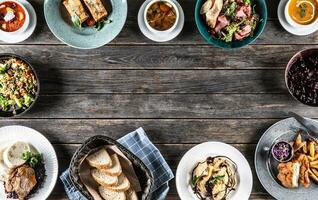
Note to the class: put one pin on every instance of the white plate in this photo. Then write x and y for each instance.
(42, 145)
(20, 37)
(198, 154)
(288, 27)
(163, 37)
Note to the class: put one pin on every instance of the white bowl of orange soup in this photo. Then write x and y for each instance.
(14, 17)
(302, 13)
(161, 16)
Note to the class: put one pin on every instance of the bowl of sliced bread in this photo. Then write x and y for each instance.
(103, 169)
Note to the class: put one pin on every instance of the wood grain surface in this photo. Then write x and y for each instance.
(182, 92)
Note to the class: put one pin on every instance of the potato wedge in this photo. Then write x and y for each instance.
(315, 171)
(298, 141)
(313, 176)
(314, 163)
(311, 148)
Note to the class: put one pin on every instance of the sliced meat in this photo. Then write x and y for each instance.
(240, 12)
(246, 30)
(247, 10)
(221, 23)
(21, 181)
(238, 36)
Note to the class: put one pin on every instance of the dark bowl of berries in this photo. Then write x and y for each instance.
(301, 76)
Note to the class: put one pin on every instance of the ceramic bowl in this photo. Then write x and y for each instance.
(291, 155)
(60, 24)
(150, 3)
(293, 23)
(90, 145)
(261, 9)
(296, 57)
(26, 22)
(21, 111)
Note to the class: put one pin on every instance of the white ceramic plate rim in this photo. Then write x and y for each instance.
(20, 37)
(200, 153)
(25, 134)
(162, 37)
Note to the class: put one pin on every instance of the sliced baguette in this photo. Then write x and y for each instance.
(108, 194)
(103, 179)
(131, 194)
(12, 156)
(100, 159)
(115, 169)
(122, 185)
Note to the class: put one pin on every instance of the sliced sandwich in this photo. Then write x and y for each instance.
(96, 8)
(76, 9)
(100, 159)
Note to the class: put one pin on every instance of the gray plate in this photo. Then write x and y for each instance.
(282, 130)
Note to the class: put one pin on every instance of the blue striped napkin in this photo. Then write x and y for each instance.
(139, 144)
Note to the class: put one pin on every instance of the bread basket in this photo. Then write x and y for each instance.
(89, 146)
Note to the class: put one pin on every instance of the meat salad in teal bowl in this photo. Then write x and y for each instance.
(230, 24)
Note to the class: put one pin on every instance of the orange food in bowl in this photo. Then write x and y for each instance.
(303, 12)
(12, 16)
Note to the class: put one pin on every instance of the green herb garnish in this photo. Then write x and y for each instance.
(99, 25)
(195, 180)
(230, 11)
(32, 158)
(216, 179)
(303, 8)
(76, 21)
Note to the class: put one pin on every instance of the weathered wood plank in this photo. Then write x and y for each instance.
(62, 196)
(273, 34)
(162, 81)
(158, 130)
(167, 106)
(152, 57)
(172, 154)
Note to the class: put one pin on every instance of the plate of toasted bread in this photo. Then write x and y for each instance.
(85, 24)
(286, 161)
(104, 169)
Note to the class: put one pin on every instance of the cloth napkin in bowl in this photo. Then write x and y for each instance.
(140, 145)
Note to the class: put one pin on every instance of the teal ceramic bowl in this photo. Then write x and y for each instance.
(61, 26)
(261, 9)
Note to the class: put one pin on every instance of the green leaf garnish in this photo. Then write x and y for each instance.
(32, 158)
(99, 25)
(303, 8)
(195, 180)
(76, 21)
(216, 179)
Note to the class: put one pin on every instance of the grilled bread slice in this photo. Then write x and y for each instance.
(76, 8)
(108, 194)
(96, 8)
(103, 179)
(100, 159)
(122, 185)
(131, 194)
(115, 169)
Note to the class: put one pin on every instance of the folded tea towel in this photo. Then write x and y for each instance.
(139, 144)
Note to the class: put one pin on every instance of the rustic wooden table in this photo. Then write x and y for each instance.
(182, 92)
